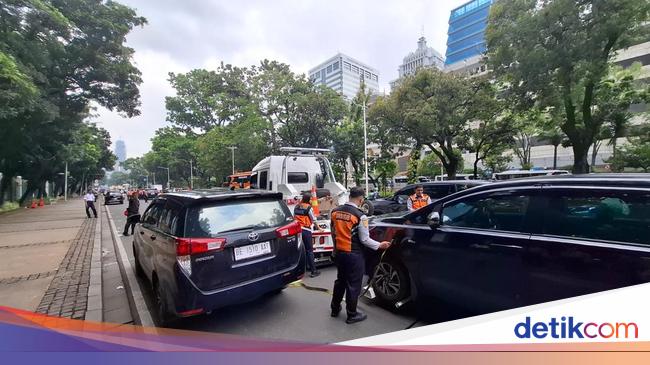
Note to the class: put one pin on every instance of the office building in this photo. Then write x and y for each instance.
(120, 152)
(344, 75)
(422, 57)
(466, 37)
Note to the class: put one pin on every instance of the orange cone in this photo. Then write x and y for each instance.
(314, 201)
(41, 203)
(33, 204)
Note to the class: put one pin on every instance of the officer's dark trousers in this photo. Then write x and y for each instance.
(309, 249)
(350, 268)
(90, 206)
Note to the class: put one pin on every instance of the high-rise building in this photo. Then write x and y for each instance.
(120, 152)
(466, 37)
(423, 57)
(344, 75)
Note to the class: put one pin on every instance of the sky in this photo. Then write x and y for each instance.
(183, 35)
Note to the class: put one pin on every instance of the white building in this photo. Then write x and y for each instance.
(422, 57)
(344, 75)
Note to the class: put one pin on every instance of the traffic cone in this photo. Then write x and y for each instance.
(314, 201)
(41, 203)
(33, 204)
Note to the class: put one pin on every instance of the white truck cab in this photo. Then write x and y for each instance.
(294, 173)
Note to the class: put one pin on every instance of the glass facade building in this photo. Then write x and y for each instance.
(466, 35)
(344, 75)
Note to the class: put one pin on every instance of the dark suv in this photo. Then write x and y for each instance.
(436, 190)
(522, 242)
(206, 249)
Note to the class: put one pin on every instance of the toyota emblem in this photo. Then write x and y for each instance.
(253, 236)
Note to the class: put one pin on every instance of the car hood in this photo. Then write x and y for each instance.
(381, 202)
(382, 217)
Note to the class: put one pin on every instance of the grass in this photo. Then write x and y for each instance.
(8, 206)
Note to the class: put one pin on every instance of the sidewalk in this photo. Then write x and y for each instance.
(51, 263)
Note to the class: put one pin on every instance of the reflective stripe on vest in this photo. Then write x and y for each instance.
(418, 203)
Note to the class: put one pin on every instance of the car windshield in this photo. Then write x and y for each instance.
(212, 220)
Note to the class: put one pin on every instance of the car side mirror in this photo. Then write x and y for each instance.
(434, 220)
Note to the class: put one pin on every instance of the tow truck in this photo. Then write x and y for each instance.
(293, 173)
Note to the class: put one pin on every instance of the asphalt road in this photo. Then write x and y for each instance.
(294, 314)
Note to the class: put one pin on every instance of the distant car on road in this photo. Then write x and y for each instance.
(151, 193)
(113, 196)
(206, 249)
(436, 190)
(519, 242)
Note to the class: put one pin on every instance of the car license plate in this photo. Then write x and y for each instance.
(254, 250)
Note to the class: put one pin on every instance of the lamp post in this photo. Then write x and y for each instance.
(191, 173)
(166, 168)
(65, 183)
(365, 144)
(232, 150)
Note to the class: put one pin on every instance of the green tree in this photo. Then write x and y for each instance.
(57, 57)
(556, 54)
(429, 165)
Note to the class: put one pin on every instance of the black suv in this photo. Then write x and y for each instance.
(113, 196)
(521, 242)
(435, 190)
(206, 249)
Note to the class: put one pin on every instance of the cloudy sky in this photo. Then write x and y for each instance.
(186, 34)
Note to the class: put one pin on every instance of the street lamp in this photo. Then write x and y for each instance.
(191, 173)
(166, 168)
(232, 150)
(365, 143)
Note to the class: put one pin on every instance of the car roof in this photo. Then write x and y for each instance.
(447, 182)
(216, 194)
(610, 179)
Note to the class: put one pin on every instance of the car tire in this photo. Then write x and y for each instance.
(138, 267)
(367, 208)
(391, 282)
(164, 317)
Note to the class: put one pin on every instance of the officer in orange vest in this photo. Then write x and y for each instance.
(350, 232)
(418, 200)
(305, 216)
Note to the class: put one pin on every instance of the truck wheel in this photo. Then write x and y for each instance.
(367, 208)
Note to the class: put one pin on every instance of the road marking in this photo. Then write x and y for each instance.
(136, 299)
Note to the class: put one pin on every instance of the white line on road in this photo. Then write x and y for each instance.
(144, 317)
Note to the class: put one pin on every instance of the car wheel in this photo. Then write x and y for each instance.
(391, 282)
(367, 208)
(138, 268)
(164, 318)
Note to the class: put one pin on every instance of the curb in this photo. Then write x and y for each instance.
(139, 309)
(95, 309)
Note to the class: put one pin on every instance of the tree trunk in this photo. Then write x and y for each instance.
(580, 162)
(476, 169)
(4, 185)
(594, 154)
(555, 157)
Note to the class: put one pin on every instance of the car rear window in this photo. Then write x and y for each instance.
(214, 219)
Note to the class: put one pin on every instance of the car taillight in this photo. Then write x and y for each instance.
(193, 246)
(186, 247)
(290, 229)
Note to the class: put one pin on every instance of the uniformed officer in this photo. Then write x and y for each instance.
(418, 200)
(305, 216)
(350, 232)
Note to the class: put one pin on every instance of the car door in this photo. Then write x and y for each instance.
(592, 238)
(474, 257)
(147, 230)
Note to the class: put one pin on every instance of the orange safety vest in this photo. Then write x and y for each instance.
(345, 223)
(301, 213)
(420, 202)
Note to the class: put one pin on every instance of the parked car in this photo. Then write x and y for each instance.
(206, 249)
(436, 190)
(520, 242)
(113, 196)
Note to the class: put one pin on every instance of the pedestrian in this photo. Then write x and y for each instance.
(132, 213)
(89, 198)
(350, 232)
(305, 216)
(418, 200)
(146, 196)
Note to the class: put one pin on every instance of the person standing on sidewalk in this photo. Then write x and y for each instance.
(132, 213)
(90, 203)
(305, 216)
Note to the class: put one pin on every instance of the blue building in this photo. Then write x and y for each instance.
(466, 35)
